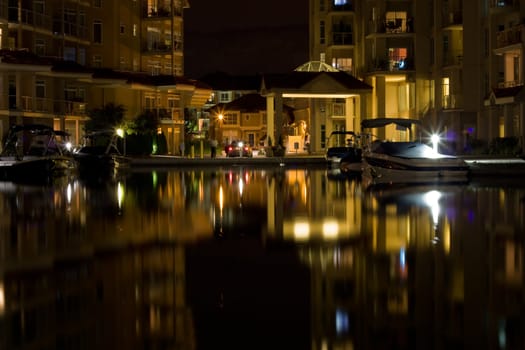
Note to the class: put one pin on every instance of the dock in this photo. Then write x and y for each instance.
(480, 166)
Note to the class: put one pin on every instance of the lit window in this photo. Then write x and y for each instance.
(230, 119)
(397, 58)
(340, 2)
(224, 96)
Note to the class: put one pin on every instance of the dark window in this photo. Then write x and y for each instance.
(97, 32)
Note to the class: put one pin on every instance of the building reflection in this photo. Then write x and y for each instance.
(134, 262)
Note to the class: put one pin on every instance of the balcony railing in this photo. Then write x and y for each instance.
(511, 36)
(345, 6)
(70, 29)
(156, 47)
(29, 17)
(165, 113)
(160, 12)
(391, 26)
(451, 18)
(342, 38)
(453, 58)
(453, 101)
(46, 105)
(391, 65)
(503, 3)
(509, 84)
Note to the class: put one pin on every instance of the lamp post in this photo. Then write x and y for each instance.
(121, 133)
(220, 118)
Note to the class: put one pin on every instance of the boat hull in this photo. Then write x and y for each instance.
(33, 169)
(100, 164)
(380, 168)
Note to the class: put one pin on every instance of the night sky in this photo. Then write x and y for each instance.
(245, 37)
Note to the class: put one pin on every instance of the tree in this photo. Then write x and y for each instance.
(146, 123)
(108, 117)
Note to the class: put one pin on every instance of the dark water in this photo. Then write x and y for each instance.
(269, 258)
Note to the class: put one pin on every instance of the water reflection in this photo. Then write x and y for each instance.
(260, 258)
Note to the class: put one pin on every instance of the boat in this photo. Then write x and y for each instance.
(408, 161)
(100, 155)
(32, 152)
(344, 148)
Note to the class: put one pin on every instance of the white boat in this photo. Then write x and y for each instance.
(32, 153)
(409, 161)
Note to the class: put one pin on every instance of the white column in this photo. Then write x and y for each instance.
(270, 118)
(349, 115)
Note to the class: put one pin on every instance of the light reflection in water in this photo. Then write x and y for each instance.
(182, 255)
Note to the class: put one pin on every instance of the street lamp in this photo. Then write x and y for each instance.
(120, 133)
(220, 118)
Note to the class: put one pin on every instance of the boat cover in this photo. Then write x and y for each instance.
(406, 150)
(380, 122)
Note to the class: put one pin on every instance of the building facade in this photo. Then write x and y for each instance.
(454, 64)
(106, 49)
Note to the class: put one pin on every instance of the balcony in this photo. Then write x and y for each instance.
(342, 38)
(70, 29)
(503, 3)
(509, 84)
(164, 114)
(342, 6)
(454, 101)
(69, 107)
(156, 47)
(453, 18)
(47, 105)
(511, 36)
(29, 17)
(453, 58)
(391, 26)
(160, 12)
(391, 64)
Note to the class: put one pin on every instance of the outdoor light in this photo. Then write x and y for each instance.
(330, 229)
(301, 230)
(431, 199)
(120, 132)
(435, 141)
(69, 146)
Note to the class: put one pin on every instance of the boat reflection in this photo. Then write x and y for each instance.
(260, 258)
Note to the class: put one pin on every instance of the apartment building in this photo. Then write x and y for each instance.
(454, 64)
(84, 54)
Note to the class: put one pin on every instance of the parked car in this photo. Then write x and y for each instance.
(238, 149)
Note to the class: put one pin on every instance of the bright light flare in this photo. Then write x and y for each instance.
(432, 198)
(301, 231)
(330, 229)
(435, 142)
(120, 132)
(2, 298)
